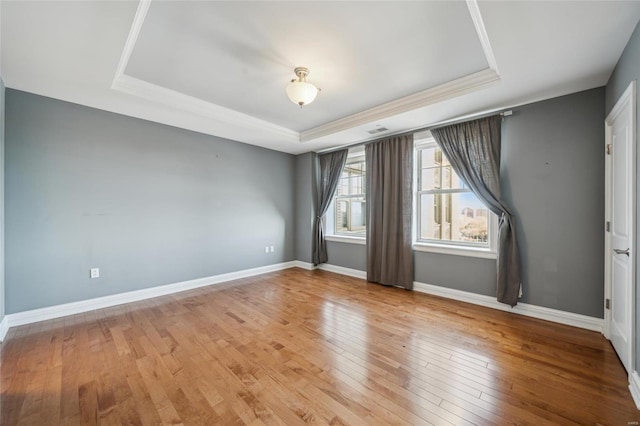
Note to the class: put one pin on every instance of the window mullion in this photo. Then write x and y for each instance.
(444, 191)
(350, 196)
(348, 210)
(446, 216)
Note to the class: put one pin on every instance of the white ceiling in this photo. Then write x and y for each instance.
(221, 67)
(241, 58)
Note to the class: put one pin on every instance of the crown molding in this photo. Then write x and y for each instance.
(152, 92)
(155, 93)
(476, 17)
(228, 117)
(132, 38)
(442, 92)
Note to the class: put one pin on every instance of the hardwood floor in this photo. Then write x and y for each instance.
(297, 347)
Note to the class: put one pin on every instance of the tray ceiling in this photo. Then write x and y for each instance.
(241, 55)
(221, 68)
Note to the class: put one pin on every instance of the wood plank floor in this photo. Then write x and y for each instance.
(296, 347)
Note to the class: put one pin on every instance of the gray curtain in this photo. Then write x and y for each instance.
(389, 211)
(473, 148)
(329, 168)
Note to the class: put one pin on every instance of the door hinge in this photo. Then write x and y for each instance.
(607, 303)
(609, 149)
(608, 226)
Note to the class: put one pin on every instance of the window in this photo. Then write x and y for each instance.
(448, 213)
(449, 217)
(349, 202)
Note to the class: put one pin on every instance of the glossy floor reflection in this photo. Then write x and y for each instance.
(297, 347)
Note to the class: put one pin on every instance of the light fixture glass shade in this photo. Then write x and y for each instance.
(301, 92)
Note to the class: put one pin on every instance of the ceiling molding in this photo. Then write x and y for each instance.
(476, 17)
(153, 92)
(225, 116)
(132, 38)
(442, 92)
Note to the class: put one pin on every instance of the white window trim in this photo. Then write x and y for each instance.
(355, 155)
(445, 247)
(346, 239)
(456, 251)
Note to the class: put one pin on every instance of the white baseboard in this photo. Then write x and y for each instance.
(51, 312)
(540, 312)
(42, 314)
(356, 273)
(304, 265)
(548, 314)
(4, 328)
(634, 387)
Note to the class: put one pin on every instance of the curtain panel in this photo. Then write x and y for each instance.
(329, 168)
(473, 149)
(389, 192)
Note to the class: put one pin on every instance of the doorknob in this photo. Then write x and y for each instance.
(620, 251)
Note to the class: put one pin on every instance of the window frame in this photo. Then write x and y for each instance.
(461, 248)
(355, 155)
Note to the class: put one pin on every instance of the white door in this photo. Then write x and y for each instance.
(620, 215)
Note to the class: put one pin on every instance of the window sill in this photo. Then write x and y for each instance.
(457, 251)
(430, 248)
(345, 239)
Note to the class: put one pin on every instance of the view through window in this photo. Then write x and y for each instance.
(448, 212)
(350, 204)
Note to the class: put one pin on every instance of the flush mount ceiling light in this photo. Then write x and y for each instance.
(299, 91)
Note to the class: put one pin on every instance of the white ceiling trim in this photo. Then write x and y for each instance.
(454, 88)
(442, 92)
(225, 116)
(476, 17)
(132, 39)
(153, 92)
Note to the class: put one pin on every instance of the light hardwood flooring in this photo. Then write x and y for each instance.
(295, 347)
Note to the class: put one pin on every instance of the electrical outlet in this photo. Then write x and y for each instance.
(266, 249)
(94, 273)
(271, 249)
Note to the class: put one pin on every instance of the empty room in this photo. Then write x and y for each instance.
(319, 212)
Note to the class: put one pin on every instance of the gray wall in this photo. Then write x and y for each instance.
(146, 203)
(151, 205)
(347, 255)
(553, 176)
(627, 70)
(470, 274)
(305, 206)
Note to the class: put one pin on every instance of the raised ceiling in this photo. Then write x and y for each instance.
(241, 57)
(221, 67)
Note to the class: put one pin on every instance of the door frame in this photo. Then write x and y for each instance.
(629, 96)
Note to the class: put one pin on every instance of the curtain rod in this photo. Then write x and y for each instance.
(505, 112)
